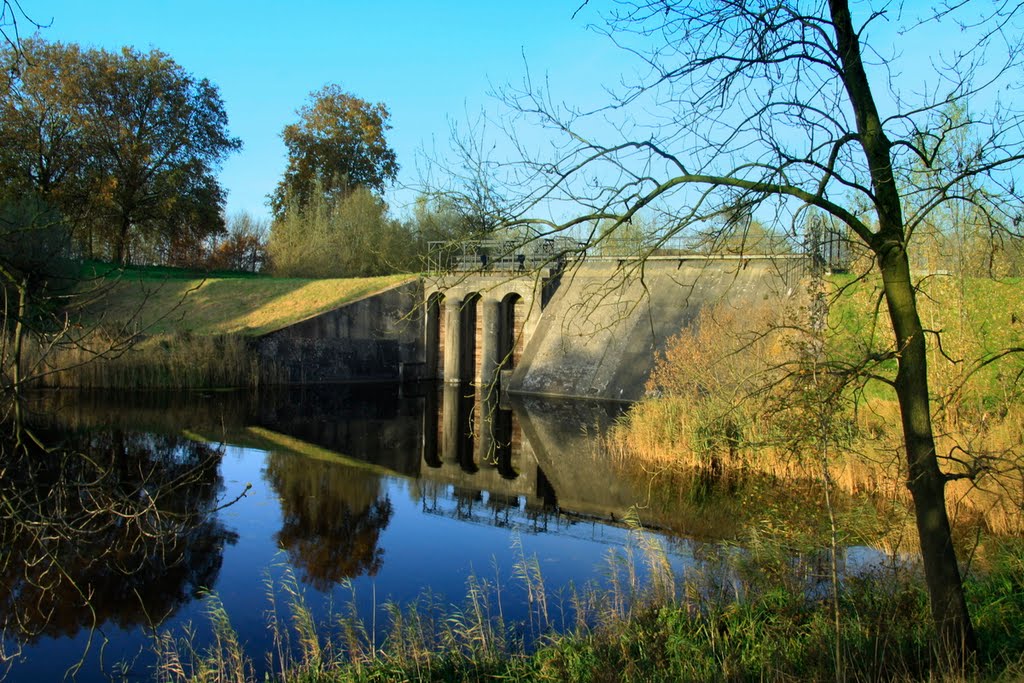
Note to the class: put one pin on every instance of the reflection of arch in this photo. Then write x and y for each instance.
(465, 438)
(434, 335)
(431, 430)
(457, 437)
(502, 425)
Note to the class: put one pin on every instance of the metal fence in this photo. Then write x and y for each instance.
(501, 255)
(829, 251)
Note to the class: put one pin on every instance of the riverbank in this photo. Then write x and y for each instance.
(175, 329)
(757, 614)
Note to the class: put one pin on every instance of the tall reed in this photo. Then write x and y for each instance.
(179, 361)
(743, 613)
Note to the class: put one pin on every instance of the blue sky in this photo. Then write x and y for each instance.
(429, 62)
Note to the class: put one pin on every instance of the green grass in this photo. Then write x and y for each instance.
(719, 626)
(168, 301)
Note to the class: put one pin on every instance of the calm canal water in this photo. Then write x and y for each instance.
(363, 494)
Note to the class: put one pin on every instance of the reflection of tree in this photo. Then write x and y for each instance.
(333, 516)
(106, 527)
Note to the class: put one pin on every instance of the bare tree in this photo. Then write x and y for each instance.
(774, 109)
(13, 20)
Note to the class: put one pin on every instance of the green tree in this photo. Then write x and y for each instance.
(774, 108)
(244, 247)
(337, 145)
(124, 144)
(42, 140)
(156, 138)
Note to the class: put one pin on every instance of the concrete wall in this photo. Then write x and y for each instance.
(604, 326)
(597, 336)
(371, 339)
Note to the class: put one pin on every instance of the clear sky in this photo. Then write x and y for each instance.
(429, 62)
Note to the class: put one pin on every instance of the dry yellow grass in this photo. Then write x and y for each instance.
(730, 400)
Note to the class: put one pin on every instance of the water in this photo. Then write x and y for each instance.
(363, 494)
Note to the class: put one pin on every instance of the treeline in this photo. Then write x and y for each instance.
(113, 153)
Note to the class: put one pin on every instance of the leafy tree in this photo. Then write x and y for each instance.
(337, 145)
(158, 135)
(777, 108)
(124, 144)
(244, 247)
(435, 218)
(42, 150)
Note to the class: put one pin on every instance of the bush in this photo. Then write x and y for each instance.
(352, 237)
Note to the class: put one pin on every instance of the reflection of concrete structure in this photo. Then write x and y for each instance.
(478, 446)
(562, 437)
(536, 458)
(539, 455)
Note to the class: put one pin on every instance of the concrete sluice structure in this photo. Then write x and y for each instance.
(593, 331)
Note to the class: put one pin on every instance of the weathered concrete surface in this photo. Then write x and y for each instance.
(604, 326)
(370, 339)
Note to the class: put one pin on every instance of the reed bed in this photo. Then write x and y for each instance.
(166, 361)
(769, 392)
(742, 614)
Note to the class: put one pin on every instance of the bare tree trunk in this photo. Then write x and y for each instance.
(926, 482)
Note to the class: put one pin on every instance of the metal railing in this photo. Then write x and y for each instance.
(828, 252)
(501, 255)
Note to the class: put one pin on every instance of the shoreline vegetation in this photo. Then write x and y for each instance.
(760, 612)
(776, 405)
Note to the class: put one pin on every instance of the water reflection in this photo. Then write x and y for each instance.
(105, 527)
(331, 447)
(333, 517)
(534, 456)
(350, 483)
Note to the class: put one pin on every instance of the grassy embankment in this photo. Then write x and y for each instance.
(164, 327)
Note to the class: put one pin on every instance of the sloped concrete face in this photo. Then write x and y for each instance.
(607, 322)
(371, 339)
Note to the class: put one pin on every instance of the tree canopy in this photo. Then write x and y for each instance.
(124, 144)
(337, 145)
